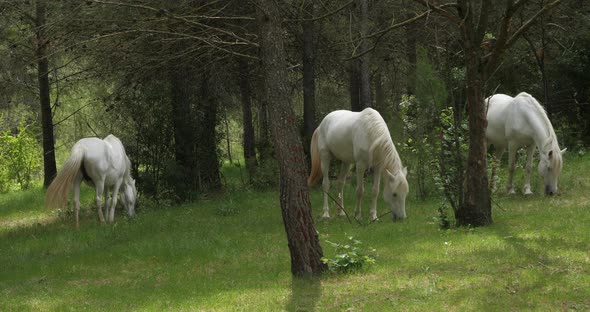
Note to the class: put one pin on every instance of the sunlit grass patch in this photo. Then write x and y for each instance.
(229, 252)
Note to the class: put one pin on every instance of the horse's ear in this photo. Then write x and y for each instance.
(563, 151)
(547, 145)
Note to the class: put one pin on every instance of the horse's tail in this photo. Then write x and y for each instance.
(316, 163)
(58, 190)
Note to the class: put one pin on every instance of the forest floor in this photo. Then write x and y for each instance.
(229, 252)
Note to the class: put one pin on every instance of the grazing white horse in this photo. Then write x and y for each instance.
(361, 138)
(519, 121)
(104, 165)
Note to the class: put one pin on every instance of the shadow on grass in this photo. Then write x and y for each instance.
(305, 294)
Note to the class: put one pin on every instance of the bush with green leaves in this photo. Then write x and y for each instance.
(20, 158)
(350, 256)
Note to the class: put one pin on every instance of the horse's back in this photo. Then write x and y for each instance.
(103, 159)
(345, 134)
(512, 118)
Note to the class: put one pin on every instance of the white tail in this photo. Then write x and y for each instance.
(58, 190)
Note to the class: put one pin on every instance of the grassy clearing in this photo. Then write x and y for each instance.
(229, 252)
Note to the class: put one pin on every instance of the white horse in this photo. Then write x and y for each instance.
(361, 138)
(104, 165)
(519, 121)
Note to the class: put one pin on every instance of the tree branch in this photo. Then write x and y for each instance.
(440, 9)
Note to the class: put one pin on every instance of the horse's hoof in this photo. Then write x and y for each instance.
(528, 193)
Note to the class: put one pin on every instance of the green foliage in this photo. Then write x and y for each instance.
(20, 158)
(452, 150)
(444, 223)
(421, 114)
(350, 256)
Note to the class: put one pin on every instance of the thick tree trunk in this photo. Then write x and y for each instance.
(248, 128)
(302, 237)
(209, 175)
(49, 167)
(364, 60)
(476, 209)
(354, 86)
(308, 78)
(181, 95)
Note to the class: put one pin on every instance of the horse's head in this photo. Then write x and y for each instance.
(550, 166)
(395, 192)
(128, 196)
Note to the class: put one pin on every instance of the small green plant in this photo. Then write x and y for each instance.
(350, 256)
(443, 218)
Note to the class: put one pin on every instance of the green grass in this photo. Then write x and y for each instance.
(229, 252)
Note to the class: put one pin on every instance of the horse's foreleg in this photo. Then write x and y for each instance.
(375, 194)
(99, 190)
(114, 195)
(360, 172)
(342, 180)
(528, 169)
(511, 165)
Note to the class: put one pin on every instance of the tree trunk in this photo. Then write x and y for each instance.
(181, 96)
(411, 33)
(476, 209)
(248, 128)
(354, 86)
(304, 246)
(365, 73)
(209, 175)
(49, 167)
(308, 78)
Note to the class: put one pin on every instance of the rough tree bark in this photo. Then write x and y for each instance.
(181, 96)
(209, 175)
(302, 237)
(49, 166)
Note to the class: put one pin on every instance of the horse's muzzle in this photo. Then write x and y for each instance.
(549, 191)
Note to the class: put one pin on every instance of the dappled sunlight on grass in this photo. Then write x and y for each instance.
(230, 252)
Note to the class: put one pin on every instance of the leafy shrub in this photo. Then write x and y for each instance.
(350, 257)
(20, 158)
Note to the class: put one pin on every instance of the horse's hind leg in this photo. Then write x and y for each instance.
(325, 158)
(497, 158)
(342, 180)
(360, 172)
(528, 169)
(77, 184)
(375, 194)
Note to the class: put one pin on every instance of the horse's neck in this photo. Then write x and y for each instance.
(389, 158)
(543, 130)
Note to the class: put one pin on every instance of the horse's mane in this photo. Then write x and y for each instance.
(541, 113)
(382, 152)
(556, 162)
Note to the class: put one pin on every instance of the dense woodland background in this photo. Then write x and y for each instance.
(190, 86)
